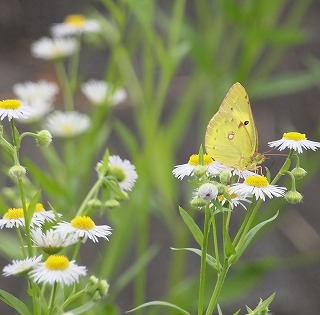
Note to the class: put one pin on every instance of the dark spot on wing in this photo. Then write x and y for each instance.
(246, 122)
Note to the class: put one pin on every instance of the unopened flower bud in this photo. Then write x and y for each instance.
(299, 172)
(112, 203)
(103, 287)
(122, 195)
(221, 188)
(198, 202)
(95, 203)
(96, 296)
(208, 191)
(17, 171)
(43, 138)
(200, 170)
(225, 176)
(293, 197)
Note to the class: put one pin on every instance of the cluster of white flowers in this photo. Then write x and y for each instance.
(253, 185)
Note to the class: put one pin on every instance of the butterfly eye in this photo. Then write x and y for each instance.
(246, 122)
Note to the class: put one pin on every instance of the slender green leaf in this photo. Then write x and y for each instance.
(193, 227)
(209, 259)
(160, 303)
(15, 303)
(251, 234)
(82, 308)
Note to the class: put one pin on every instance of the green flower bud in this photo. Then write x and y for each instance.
(93, 280)
(43, 138)
(95, 203)
(103, 287)
(299, 172)
(225, 176)
(112, 203)
(293, 197)
(208, 191)
(96, 296)
(200, 170)
(221, 188)
(17, 171)
(122, 195)
(198, 202)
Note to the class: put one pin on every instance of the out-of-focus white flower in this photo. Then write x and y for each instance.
(54, 48)
(99, 92)
(18, 267)
(67, 124)
(75, 24)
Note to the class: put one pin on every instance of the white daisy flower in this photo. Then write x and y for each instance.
(57, 269)
(75, 24)
(18, 267)
(14, 109)
(40, 109)
(14, 218)
(236, 199)
(56, 48)
(98, 92)
(32, 92)
(180, 171)
(43, 215)
(123, 171)
(67, 124)
(83, 227)
(217, 167)
(296, 141)
(258, 186)
(51, 242)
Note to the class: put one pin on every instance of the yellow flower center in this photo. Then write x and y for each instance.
(38, 208)
(82, 223)
(294, 136)
(14, 213)
(10, 104)
(194, 159)
(75, 20)
(67, 129)
(57, 262)
(256, 181)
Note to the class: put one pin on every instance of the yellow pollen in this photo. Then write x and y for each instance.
(82, 223)
(256, 181)
(67, 129)
(194, 159)
(75, 20)
(57, 262)
(14, 213)
(294, 136)
(10, 104)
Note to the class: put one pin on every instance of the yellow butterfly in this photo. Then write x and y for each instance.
(231, 136)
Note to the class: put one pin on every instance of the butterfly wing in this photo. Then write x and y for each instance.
(231, 136)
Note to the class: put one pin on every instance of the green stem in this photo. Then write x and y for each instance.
(203, 259)
(65, 84)
(217, 289)
(215, 241)
(77, 249)
(52, 297)
(90, 194)
(21, 242)
(16, 145)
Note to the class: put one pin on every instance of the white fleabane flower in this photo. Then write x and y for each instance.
(83, 227)
(296, 141)
(67, 124)
(180, 171)
(57, 269)
(98, 92)
(40, 109)
(75, 24)
(207, 191)
(123, 171)
(18, 267)
(235, 199)
(217, 167)
(54, 48)
(43, 215)
(257, 186)
(14, 218)
(32, 92)
(12, 108)
(51, 242)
